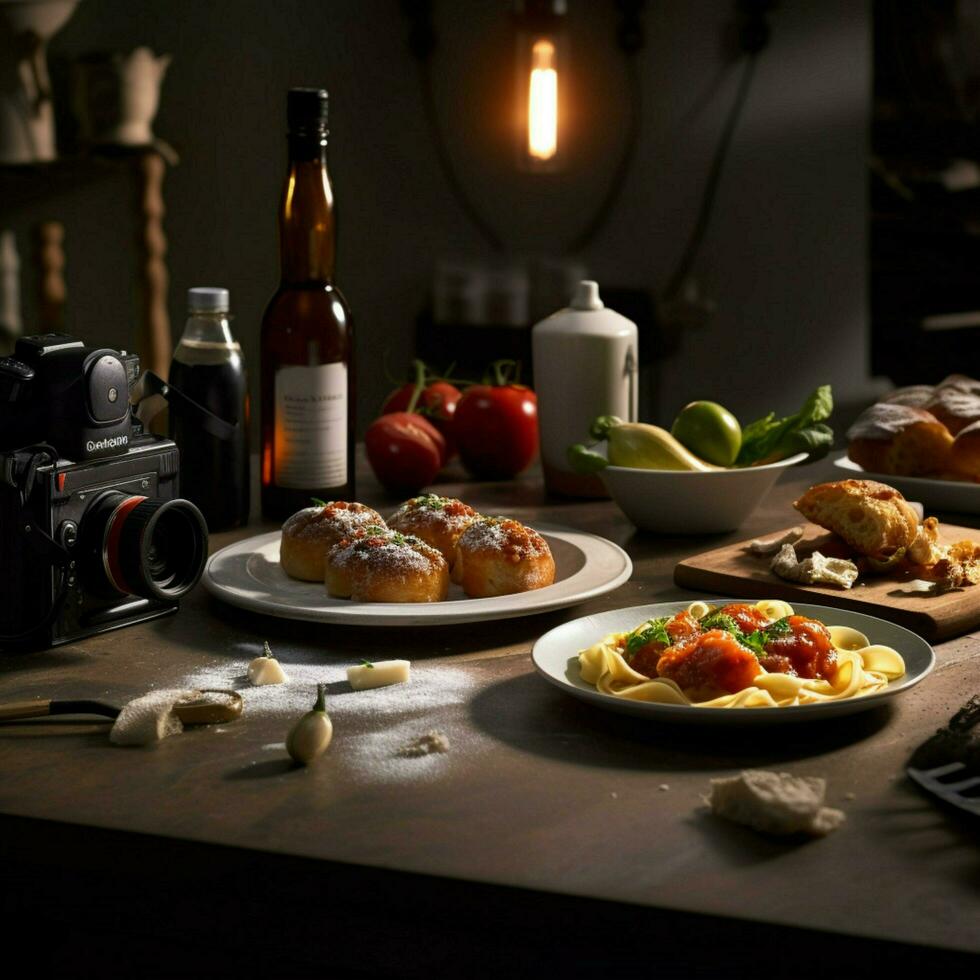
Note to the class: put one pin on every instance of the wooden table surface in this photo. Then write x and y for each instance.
(551, 832)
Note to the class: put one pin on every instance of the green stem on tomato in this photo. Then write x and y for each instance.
(420, 375)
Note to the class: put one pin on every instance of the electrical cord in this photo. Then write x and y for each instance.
(446, 163)
(618, 178)
(686, 262)
(629, 38)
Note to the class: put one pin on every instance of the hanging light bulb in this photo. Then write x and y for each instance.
(540, 54)
(542, 102)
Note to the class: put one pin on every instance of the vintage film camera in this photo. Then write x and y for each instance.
(92, 533)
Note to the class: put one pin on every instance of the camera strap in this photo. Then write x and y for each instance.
(152, 384)
(19, 470)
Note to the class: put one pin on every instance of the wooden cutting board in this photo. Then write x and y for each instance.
(735, 571)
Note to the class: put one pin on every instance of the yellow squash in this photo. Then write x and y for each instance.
(648, 447)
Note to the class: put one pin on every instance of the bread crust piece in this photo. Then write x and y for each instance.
(386, 567)
(310, 533)
(964, 458)
(438, 521)
(499, 556)
(873, 518)
(899, 439)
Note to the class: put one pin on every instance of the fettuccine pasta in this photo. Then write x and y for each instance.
(862, 668)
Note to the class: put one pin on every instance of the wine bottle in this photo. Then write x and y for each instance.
(307, 340)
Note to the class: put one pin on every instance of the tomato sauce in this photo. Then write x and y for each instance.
(806, 651)
(747, 618)
(644, 659)
(709, 664)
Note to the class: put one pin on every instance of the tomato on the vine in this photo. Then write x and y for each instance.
(437, 402)
(496, 429)
(405, 451)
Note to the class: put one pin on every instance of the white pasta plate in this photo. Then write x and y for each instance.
(555, 656)
(958, 496)
(248, 574)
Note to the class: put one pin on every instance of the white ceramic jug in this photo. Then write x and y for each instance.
(585, 365)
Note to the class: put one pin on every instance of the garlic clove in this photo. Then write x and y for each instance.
(266, 669)
(310, 736)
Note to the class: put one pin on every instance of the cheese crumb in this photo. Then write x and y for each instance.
(775, 803)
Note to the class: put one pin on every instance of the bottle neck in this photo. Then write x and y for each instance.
(307, 237)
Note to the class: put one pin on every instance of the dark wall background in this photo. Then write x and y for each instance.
(784, 258)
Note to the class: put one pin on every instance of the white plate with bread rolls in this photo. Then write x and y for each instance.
(249, 574)
(925, 441)
(933, 493)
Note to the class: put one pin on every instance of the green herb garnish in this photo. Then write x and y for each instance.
(756, 640)
(318, 502)
(368, 664)
(721, 621)
(653, 631)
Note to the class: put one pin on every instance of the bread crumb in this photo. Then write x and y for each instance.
(433, 741)
(663, 787)
(850, 796)
(775, 803)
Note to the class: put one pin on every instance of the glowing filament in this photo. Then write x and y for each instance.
(542, 105)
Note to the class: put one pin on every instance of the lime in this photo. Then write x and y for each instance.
(710, 431)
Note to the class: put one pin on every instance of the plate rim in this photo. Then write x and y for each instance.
(691, 714)
(383, 614)
(844, 462)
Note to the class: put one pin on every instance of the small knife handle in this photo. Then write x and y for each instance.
(24, 709)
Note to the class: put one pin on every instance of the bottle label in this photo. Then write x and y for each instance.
(311, 427)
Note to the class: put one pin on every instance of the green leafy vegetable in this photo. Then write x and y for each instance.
(769, 439)
(368, 664)
(318, 502)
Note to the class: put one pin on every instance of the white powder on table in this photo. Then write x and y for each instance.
(372, 728)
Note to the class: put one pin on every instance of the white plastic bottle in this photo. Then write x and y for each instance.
(585, 365)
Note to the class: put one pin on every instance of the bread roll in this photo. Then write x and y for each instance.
(914, 395)
(380, 565)
(438, 521)
(899, 439)
(499, 556)
(955, 406)
(874, 519)
(964, 458)
(310, 533)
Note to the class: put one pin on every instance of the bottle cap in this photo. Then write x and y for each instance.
(207, 299)
(306, 110)
(587, 296)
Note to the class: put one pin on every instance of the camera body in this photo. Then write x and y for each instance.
(93, 534)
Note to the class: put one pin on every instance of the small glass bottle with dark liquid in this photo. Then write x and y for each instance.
(208, 368)
(307, 341)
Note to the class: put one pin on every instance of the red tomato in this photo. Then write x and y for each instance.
(404, 450)
(437, 403)
(496, 429)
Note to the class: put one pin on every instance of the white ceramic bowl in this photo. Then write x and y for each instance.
(690, 502)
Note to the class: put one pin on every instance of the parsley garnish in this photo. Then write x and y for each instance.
(652, 631)
(368, 664)
(756, 640)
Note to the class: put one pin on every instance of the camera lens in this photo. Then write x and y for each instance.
(148, 547)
